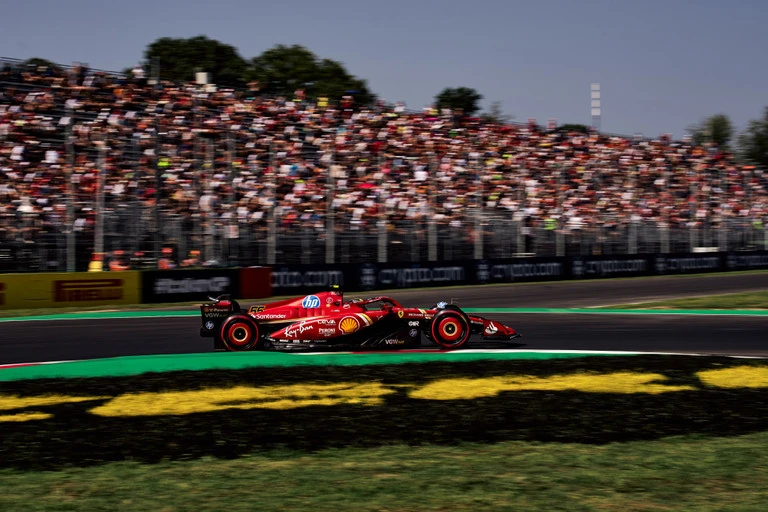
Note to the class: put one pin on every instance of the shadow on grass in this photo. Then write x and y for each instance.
(74, 437)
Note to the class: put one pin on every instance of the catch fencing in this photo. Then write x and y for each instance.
(29, 242)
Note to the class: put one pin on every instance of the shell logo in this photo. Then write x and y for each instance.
(349, 324)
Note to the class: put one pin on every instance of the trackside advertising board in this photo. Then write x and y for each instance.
(189, 285)
(49, 290)
(746, 260)
(434, 273)
(630, 265)
(520, 269)
(299, 279)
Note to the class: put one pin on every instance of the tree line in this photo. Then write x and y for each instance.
(281, 70)
(284, 70)
(751, 145)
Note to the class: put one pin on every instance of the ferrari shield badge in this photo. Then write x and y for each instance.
(400, 314)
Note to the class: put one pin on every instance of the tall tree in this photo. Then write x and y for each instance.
(753, 142)
(39, 63)
(716, 129)
(464, 99)
(282, 70)
(496, 114)
(573, 127)
(179, 59)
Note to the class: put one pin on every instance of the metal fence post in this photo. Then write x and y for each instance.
(722, 235)
(272, 221)
(479, 238)
(431, 224)
(98, 235)
(158, 190)
(664, 237)
(330, 212)
(632, 245)
(692, 236)
(69, 228)
(198, 161)
(232, 235)
(381, 223)
(559, 230)
(765, 236)
(519, 241)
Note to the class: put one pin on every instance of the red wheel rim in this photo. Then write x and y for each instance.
(239, 334)
(450, 329)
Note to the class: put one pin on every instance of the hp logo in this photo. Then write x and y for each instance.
(310, 301)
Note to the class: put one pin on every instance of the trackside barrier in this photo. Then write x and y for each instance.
(196, 284)
(50, 290)
(188, 285)
(255, 282)
(46, 290)
(299, 279)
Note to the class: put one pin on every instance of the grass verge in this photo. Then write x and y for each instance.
(611, 433)
(686, 473)
(52, 424)
(750, 300)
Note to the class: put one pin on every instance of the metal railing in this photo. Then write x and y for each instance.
(32, 242)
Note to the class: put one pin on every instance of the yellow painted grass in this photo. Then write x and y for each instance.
(173, 403)
(736, 377)
(25, 416)
(619, 382)
(242, 397)
(8, 403)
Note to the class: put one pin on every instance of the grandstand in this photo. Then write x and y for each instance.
(193, 175)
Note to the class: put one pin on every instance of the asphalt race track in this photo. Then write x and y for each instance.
(28, 341)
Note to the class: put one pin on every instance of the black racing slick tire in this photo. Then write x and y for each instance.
(450, 328)
(239, 332)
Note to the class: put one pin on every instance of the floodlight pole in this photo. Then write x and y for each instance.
(596, 106)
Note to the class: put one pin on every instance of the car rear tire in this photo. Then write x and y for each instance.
(239, 332)
(450, 328)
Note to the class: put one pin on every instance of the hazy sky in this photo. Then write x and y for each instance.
(662, 64)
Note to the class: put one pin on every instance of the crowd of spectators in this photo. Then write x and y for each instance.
(226, 157)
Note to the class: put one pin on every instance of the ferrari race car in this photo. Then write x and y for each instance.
(326, 321)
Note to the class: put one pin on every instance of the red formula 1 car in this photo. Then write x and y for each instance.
(326, 321)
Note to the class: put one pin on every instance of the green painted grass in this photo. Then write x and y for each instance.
(673, 474)
(163, 363)
(740, 301)
(13, 313)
